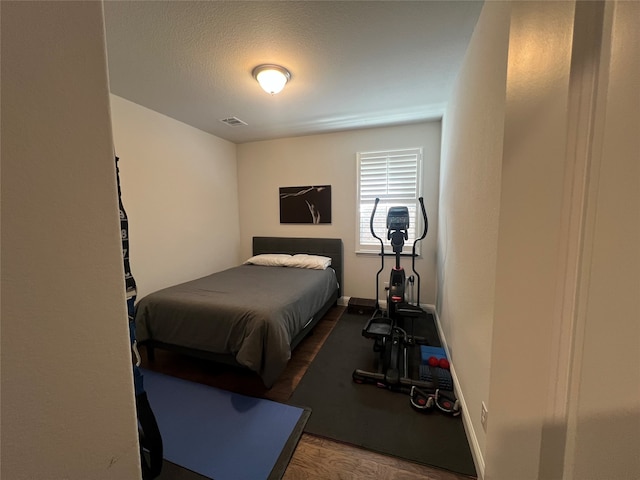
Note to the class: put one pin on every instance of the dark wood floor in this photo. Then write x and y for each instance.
(315, 457)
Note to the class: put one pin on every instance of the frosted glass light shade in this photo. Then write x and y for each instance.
(272, 78)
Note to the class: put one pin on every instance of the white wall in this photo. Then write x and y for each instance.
(604, 434)
(559, 197)
(530, 234)
(67, 387)
(330, 159)
(180, 192)
(469, 210)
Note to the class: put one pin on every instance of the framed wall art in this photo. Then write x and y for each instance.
(310, 204)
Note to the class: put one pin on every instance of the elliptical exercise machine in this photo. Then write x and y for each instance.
(389, 328)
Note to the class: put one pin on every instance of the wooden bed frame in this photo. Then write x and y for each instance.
(328, 247)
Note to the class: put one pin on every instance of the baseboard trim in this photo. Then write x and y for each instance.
(472, 438)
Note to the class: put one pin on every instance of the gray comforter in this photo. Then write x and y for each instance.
(251, 312)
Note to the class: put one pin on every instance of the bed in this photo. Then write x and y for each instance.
(252, 315)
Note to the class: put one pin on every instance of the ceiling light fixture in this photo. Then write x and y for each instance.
(272, 78)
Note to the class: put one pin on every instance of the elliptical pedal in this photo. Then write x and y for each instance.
(377, 327)
(421, 400)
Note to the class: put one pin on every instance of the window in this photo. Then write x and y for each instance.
(394, 178)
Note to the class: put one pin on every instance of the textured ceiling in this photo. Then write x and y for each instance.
(354, 64)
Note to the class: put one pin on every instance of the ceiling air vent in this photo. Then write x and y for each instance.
(233, 121)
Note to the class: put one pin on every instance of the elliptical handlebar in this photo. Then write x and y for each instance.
(413, 251)
(373, 214)
(426, 221)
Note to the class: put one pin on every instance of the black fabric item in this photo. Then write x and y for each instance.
(150, 439)
(374, 418)
(149, 434)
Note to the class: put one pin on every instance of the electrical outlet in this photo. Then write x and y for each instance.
(386, 285)
(483, 416)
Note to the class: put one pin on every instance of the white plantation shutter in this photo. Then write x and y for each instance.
(393, 177)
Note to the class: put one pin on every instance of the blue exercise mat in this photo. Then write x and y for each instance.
(428, 351)
(223, 435)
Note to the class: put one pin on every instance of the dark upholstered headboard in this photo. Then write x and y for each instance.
(328, 247)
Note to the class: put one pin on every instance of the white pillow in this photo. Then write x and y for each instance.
(270, 259)
(302, 260)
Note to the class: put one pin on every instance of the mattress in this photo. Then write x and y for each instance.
(251, 312)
